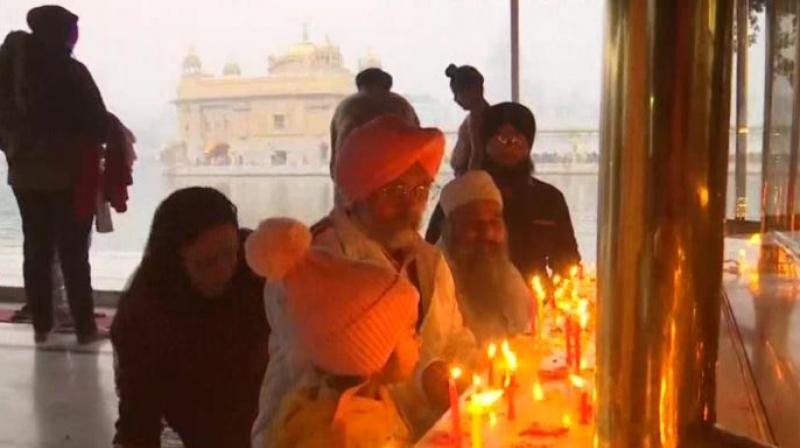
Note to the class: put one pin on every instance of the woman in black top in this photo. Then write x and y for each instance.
(190, 334)
(540, 233)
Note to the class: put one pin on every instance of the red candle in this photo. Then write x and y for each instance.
(510, 392)
(568, 339)
(585, 409)
(491, 352)
(455, 415)
(573, 339)
(577, 347)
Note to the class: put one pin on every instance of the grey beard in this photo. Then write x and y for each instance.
(492, 289)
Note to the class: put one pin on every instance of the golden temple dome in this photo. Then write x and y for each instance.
(231, 68)
(192, 64)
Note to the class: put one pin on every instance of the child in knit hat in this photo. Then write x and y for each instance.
(356, 321)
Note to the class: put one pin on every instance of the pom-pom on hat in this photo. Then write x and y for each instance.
(380, 151)
(347, 314)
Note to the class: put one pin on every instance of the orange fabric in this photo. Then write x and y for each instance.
(309, 420)
(380, 151)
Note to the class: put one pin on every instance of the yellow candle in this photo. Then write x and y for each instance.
(538, 392)
(477, 437)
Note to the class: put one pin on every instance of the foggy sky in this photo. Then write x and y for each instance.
(134, 48)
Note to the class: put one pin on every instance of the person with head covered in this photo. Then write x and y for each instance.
(357, 323)
(492, 294)
(384, 172)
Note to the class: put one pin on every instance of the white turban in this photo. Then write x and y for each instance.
(473, 186)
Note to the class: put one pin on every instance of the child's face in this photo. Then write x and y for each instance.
(404, 358)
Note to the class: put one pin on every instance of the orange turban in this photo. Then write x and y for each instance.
(380, 151)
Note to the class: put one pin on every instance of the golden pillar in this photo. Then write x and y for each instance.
(664, 158)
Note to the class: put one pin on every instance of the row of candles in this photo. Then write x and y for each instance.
(571, 312)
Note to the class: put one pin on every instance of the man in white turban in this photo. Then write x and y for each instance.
(493, 297)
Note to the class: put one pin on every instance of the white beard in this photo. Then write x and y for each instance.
(493, 296)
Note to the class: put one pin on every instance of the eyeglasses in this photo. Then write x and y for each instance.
(508, 141)
(402, 192)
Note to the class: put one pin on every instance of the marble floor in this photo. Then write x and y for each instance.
(59, 396)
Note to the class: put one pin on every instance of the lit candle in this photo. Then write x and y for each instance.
(566, 420)
(510, 383)
(510, 392)
(491, 352)
(540, 295)
(584, 401)
(574, 277)
(576, 329)
(476, 412)
(455, 416)
(573, 272)
(569, 342)
(585, 410)
(538, 392)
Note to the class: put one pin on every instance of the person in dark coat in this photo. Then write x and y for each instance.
(51, 116)
(190, 335)
(541, 238)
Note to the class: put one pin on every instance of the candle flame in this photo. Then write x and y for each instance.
(476, 381)
(538, 392)
(536, 284)
(556, 279)
(483, 400)
(577, 381)
(492, 350)
(511, 358)
(584, 320)
(566, 420)
(456, 372)
(755, 239)
(492, 419)
(573, 271)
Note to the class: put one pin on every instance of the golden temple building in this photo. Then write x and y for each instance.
(278, 120)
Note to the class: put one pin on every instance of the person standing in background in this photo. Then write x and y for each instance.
(51, 116)
(466, 83)
(373, 99)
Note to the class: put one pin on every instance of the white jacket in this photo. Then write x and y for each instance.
(443, 333)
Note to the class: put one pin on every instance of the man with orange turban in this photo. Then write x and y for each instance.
(384, 173)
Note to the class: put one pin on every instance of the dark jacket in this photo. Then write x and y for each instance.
(50, 109)
(192, 362)
(540, 233)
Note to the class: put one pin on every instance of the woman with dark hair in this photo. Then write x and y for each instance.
(190, 335)
(51, 116)
(540, 233)
(466, 82)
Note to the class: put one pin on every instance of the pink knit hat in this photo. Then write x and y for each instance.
(380, 151)
(348, 315)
